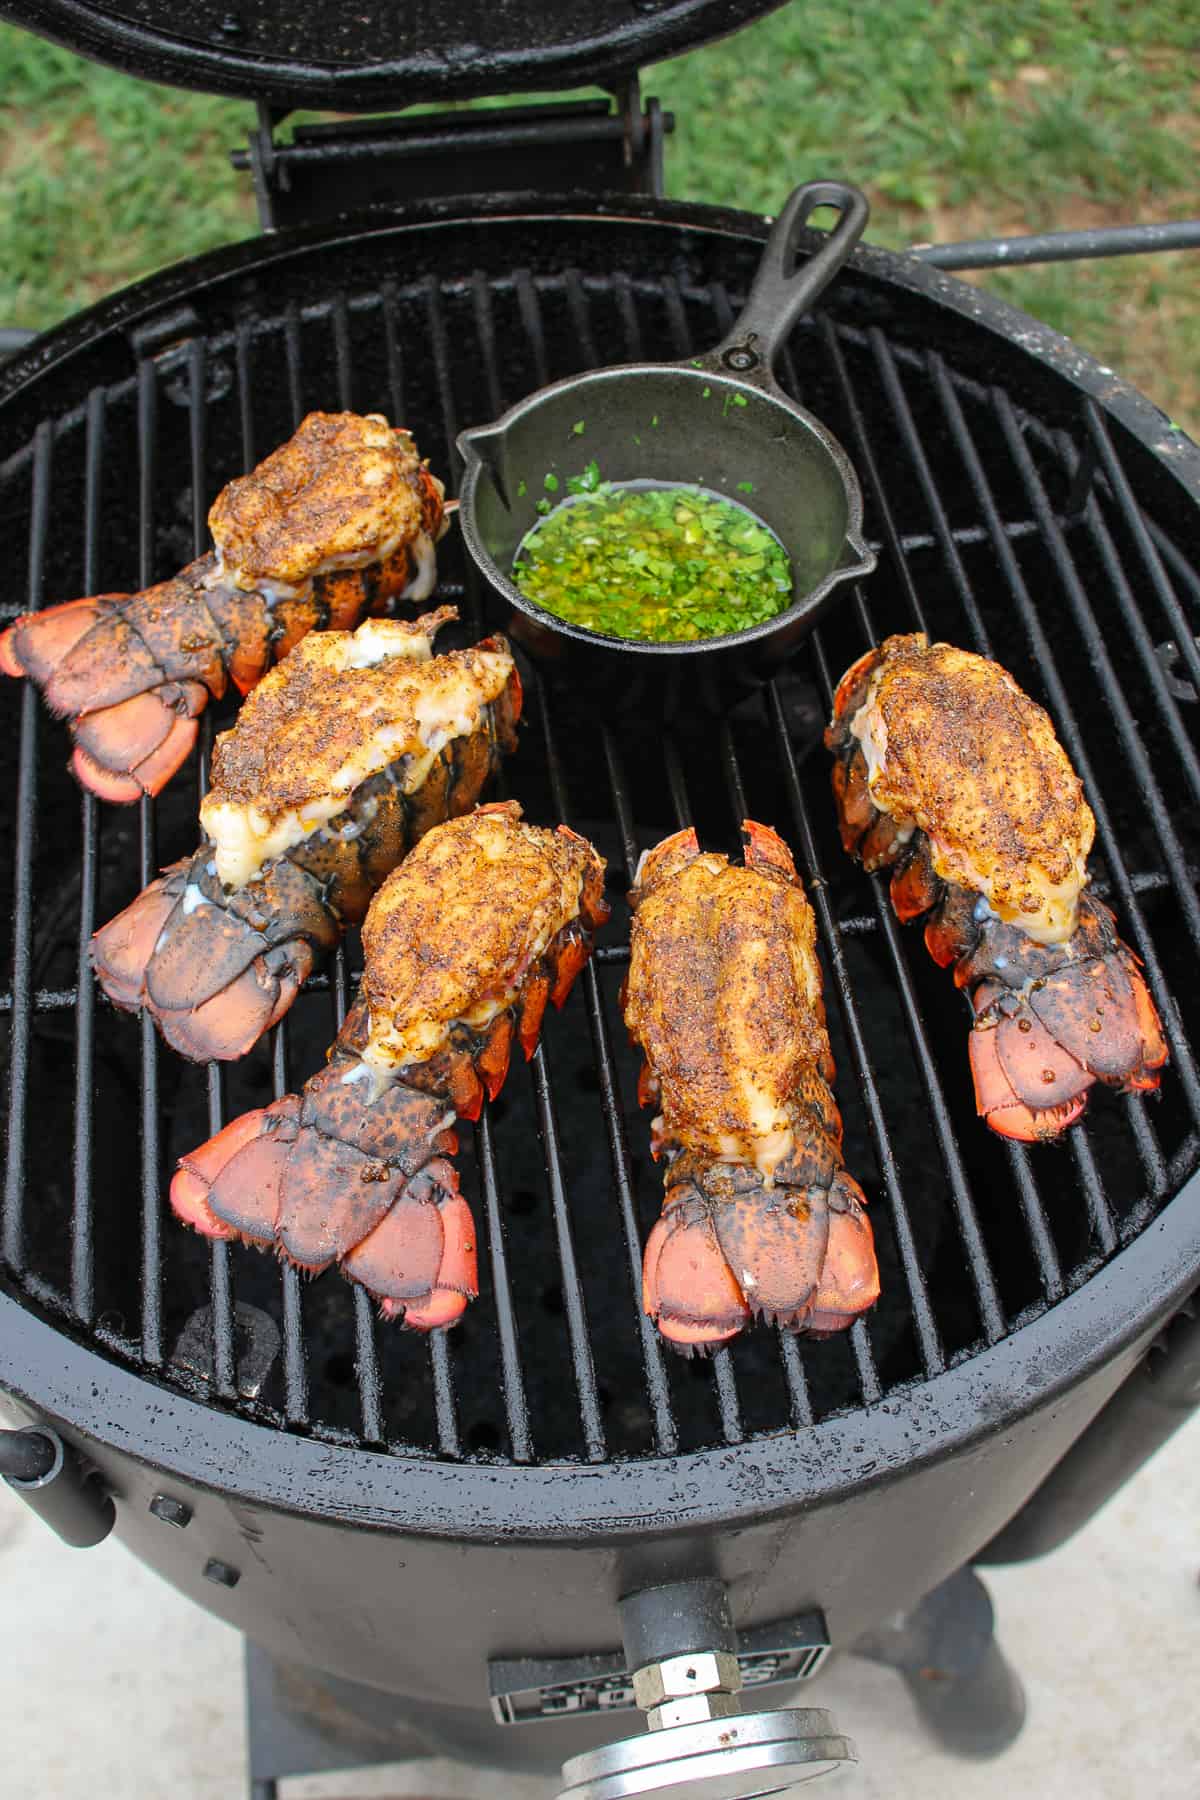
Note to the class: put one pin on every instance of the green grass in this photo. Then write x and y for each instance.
(960, 119)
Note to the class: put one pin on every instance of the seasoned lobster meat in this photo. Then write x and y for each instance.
(723, 996)
(486, 920)
(334, 524)
(340, 760)
(949, 774)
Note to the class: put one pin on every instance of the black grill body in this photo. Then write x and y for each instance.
(397, 1511)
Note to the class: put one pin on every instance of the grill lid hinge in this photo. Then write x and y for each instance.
(589, 146)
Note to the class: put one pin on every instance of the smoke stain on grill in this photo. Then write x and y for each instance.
(631, 290)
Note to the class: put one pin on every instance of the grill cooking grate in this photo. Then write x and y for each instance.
(999, 529)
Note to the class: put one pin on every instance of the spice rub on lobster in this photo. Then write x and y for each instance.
(949, 774)
(465, 943)
(724, 998)
(333, 525)
(341, 759)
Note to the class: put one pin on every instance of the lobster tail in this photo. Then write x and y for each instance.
(215, 969)
(1049, 1019)
(131, 673)
(795, 1249)
(344, 1174)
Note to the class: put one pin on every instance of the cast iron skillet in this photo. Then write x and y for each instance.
(718, 420)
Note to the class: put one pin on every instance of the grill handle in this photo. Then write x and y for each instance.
(781, 292)
(49, 1477)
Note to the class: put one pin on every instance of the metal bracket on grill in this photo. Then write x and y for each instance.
(686, 1661)
(586, 146)
(526, 1689)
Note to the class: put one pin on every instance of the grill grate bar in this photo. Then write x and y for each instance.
(624, 813)
(1135, 750)
(1068, 729)
(295, 361)
(339, 318)
(440, 344)
(793, 1366)
(932, 1358)
(631, 325)
(366, 1354)
(990, 1311)
(12, 1237)
(366, 1368)
(573, 1301)
(529, 308)
(516, 1406)
(220, 1274)
(485, 331)
(83, 1269)
(666, 1433)
(581, 320)
(445, 1406)
(152, 1341)
(799, 1403)
(573, 1298)
(295, 1356)
(1019, 1159)
(1131, 516)
(727, 1397)
(395, 355)
(1099, 1211)
(1189, 576)
(242, 358)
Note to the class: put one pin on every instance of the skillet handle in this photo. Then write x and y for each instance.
(780, 292)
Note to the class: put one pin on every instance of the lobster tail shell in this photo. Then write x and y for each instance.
(796, 1250)
(1049, 1021)
(214, 970)
(345, 1174)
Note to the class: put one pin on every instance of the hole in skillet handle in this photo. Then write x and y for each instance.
(718, 421)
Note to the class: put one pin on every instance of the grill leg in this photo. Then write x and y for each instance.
(264, 1790)
(946, 1652)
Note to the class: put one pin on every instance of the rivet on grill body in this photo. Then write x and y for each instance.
(171, 1511)
(221, 1573)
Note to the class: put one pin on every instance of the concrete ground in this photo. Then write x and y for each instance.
(115, 1688)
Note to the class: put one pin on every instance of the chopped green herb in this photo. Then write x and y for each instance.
(740, 400)
(577, 428)
(550, 483)
(588, 482)
(654, 421)
(522, 490)
(668, 564)
(745, 487)
(637, 440)
(705, 392)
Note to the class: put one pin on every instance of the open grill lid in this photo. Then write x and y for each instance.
(356, 60)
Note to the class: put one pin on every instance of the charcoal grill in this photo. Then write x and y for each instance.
(436, 1536)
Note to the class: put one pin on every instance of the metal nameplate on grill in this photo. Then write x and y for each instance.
(527, 1689)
